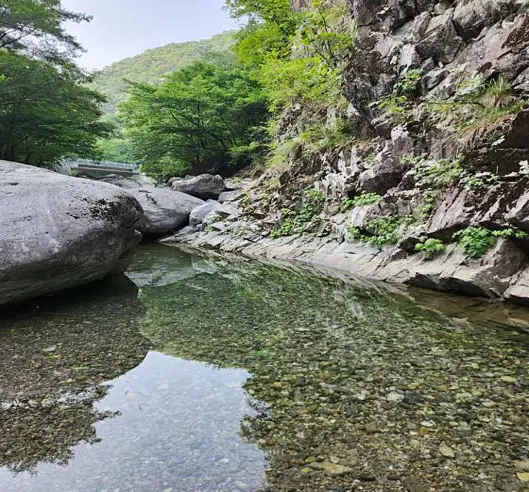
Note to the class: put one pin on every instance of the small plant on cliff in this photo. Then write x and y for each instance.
(382, 231)
(365, 198)
(437, 174)
(392, 104)
(282, 153)
(424, 211)
(413, 160)
(476, 241)
(480, 180)
(409, 84)
(396, 102)
(513, 233)
(319, 137)
(311, 205)
(296, 220)
(480, 109)
(430, 247)
(286, 228)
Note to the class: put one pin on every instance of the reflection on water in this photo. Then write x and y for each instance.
(56, 352)
(208, 370)
(177, 429)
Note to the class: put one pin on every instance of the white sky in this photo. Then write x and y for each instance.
(124, 28)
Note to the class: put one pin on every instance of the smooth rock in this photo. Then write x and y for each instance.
(205, 186)
(522, 466)
(122, 182)
(59, 232)
(199, 213)
(447, 451)
(331, 468)
(165, 209)
(226, 195)
(395, 396)
(523, 477)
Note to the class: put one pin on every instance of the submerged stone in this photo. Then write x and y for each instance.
(226, 361)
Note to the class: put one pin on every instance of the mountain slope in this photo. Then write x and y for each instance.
(153, 64)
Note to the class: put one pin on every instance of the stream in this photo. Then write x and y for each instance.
(214, 373)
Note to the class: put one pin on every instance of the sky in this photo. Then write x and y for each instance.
(124, 28)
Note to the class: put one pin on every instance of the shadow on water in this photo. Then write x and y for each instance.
(56, 353)
(86, 405)
(209, 361)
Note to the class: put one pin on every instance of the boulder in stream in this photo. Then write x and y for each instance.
(200, 213)
(165, 209)
(205, 186)
(58, 232)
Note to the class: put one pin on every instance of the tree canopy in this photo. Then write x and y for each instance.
(36, 28)
(203, 118)
(151, 66)
(209, 115)
(46, 110)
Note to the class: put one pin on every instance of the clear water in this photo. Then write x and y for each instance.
(215, 374)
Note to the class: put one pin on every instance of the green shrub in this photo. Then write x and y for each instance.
(281, 153)
(413, 160)
(406, 88)
(424, 211)
(481, 180)
(430, 247)
(295, 221)
(480, 107)
(365, 198)
(409, 84)
(321, 136)
(437, 174)
(382, 231)
(392, 104)
(512, 233)
(476, 241)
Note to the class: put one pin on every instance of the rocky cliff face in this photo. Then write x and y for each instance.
(435, 176)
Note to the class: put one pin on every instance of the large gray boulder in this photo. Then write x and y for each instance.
(205, 186)
(200, 213)
(58, 232)
(165, 209)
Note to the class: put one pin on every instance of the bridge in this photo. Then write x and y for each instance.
(97, 169)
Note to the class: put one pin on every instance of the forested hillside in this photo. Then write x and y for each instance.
(153, 64)
(222, 113)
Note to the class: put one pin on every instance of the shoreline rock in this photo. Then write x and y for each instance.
(164, 210)
(59, 232)
(204, 186)
(501, 275)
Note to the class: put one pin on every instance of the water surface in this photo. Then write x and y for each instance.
(211, 373)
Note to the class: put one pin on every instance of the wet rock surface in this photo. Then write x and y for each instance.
(356, 388)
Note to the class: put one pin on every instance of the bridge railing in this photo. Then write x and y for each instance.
(76, 163)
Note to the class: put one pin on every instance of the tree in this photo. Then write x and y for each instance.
(46, 112)
(297, 51)
(117, 149)
(270, 27)
(278, 12)
(202, 119)
(35, 28)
